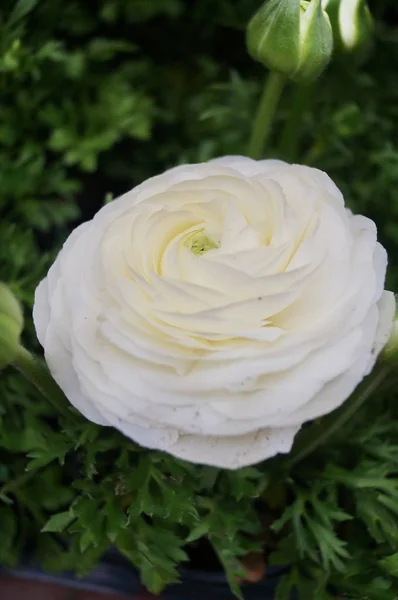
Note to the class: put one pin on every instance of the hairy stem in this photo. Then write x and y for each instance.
(262, 123)
(290, 138)
(37, 372)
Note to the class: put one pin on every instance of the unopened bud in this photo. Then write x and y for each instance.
(291, 37)
(11, 324)
(352, 25)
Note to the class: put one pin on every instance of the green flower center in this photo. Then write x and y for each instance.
(199, 243)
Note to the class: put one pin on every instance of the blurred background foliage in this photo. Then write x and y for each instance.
(95, 97)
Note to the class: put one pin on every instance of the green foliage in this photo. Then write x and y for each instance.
(97, 96)
(313, 517)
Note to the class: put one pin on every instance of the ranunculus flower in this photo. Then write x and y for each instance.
(212, 310)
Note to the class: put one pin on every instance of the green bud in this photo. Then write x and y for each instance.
(291, 37)
(352, 26)
(11, 325)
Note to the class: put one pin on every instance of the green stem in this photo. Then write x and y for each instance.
(16, 483)
(35, 371)
(52, 546)
(291, 133)
(319, 433)
(262, 123)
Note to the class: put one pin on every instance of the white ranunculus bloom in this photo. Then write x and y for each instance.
(213, 309)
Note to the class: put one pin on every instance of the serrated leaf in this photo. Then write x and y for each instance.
(8, 530)
(37, 463)
(88, 559)
(21, 9)
(88, 435)
(116, 519)
(85, 541)
(390, 564)
(284, 589)
(198, 532)
(152, 579)
(58, 522)
(139, 475)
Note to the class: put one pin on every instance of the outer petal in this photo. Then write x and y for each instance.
(149, 436)
(234, 452)
(248, 166)
(59, 361)
(52, 323)
(41, 310)
(336, 391)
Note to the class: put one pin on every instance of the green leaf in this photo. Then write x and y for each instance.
(85, 540)
(102, 49)
(390, 564)
(198, 531)
(21, 9)
(152, 579)
(8, 531)
(59, 522)
(284, 589)
(233, 569)
(44, 457)
(116, 519)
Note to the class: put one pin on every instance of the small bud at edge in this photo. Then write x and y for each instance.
(11, 325)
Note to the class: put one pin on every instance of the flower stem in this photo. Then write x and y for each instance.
(291, 133)
(17, 482)
(37, 373)
(318, 433)
(53, 546)
(262, 123)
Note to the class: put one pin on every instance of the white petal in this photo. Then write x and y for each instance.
(335, 392)
(248, 166)
(41, 310)
(318, 178)
(59, 362)
(236, 451)
(150, 437)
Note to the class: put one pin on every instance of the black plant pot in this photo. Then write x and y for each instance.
(115, 575)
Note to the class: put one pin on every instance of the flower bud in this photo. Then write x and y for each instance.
(291, 37)
(11, 324)
(352, 25)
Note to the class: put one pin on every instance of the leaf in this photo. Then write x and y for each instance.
(103, 49)
(85, 541)
(390, 564)
(8, 530)
(208, 477)
(39, 462)
(284, 589)
(198, 532)
(139, 475)
(152, 579)
(233, 569)
(116, 519)
(86, 561)
(44, 457)
(21, 9)
(59, 522)
(88, 435)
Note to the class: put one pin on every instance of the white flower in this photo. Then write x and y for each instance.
(213, 309)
